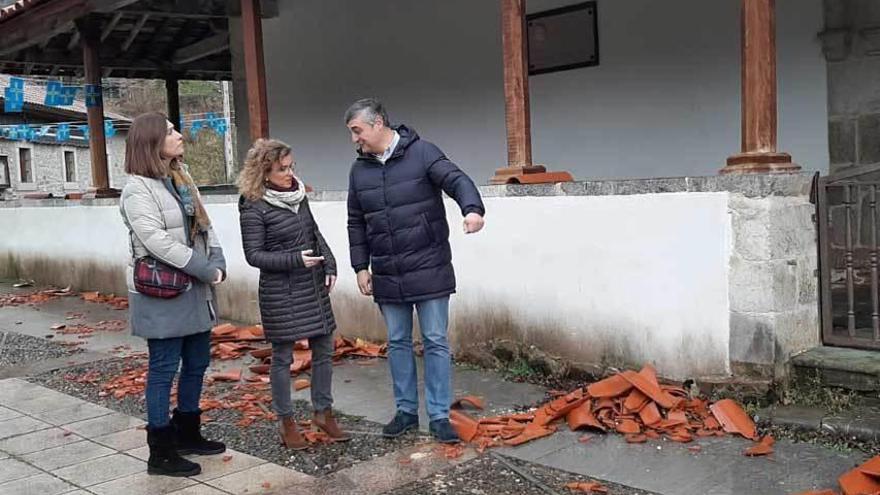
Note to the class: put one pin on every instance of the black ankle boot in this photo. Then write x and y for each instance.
(189, 435)
(164, 458)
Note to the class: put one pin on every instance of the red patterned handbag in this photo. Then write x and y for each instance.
(156, 279)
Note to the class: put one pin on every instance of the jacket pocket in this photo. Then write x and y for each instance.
(428, 230)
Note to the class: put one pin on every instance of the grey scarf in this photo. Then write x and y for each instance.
(289, 200)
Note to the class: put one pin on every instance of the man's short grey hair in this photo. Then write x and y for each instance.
(367, 109)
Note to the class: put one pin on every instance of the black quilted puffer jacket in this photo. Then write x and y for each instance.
(294, 303)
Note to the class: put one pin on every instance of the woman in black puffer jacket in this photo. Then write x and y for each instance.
(297, 273)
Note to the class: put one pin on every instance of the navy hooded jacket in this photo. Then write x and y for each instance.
(397, 222)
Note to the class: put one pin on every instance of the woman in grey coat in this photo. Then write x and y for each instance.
(297, 273)
(167, 222)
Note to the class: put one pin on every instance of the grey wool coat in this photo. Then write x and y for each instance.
(294, 302)
(158, 227)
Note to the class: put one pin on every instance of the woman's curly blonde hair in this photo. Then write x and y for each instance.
(258, 164)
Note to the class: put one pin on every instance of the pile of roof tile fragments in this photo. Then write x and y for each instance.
(633, 404)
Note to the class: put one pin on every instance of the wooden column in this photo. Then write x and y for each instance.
(759, 126)
(520, 168)
(516, 84)
(255, 71)
(172, 97)
(90, 36)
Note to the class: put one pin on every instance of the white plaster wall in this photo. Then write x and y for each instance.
(607, 279)
(665, 100)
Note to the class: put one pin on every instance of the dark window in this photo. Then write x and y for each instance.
(25, 165)
(69, 166)
(4, 171)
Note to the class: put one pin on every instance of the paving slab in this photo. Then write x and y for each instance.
(38, 440)
(78, 412)
(365, 390)
(199, 489)
(104, 425)
(67, 455)
(41, 484)
(142, 484)
(129, 439)
(45, 399)
(265, 478)
(217, 466)
(20, 426)
(6, 413)
(142, 453)
(101, 470)
(12, 469)
(718, 468)
(387, 472)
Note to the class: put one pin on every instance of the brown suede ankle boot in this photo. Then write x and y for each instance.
(290, 435)
(325, 421)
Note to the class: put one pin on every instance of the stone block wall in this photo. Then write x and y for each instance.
(47, 162)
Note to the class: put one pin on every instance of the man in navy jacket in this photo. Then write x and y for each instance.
(399, 241)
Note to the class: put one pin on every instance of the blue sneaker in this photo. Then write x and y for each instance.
(443, 431)
(402, 423)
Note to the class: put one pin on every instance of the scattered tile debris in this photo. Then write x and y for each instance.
(232, 342)
(763, 447)
(633, 404)
(33, 298)
(586, 487)
(116, 302)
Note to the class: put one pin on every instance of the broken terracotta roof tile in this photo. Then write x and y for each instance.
(582, 417)
(650, 415)
(531, 432)
(228, 376)
(733, 419)
(628, 426)
(612, 386)
(635, 401)
(763, 447)
(301, 384)
(586, 487)
(470, 400)
(650, 388)
(464, 425)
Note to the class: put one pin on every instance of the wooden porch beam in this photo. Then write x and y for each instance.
(134, 32)
(201, 49)
(758, 153)
(110, 26)
(255, 70)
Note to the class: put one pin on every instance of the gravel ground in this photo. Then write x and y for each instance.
(259, 439)
(16, 348)
(487, 475)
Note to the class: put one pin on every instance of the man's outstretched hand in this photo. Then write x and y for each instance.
(473, 223)
(365, 282)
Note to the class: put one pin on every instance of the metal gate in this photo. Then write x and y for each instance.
(848, 237)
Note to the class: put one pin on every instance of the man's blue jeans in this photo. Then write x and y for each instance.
(165, 357)
(433, 320)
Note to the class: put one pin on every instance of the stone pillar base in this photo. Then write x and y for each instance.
(535, 174)
(760, 163)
